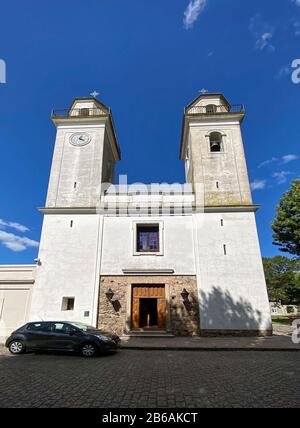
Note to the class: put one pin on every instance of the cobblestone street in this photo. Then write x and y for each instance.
(152, 379)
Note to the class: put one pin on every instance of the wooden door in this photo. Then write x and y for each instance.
(148, 292)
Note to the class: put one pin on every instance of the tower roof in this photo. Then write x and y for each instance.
(208, 107)
(208, 95)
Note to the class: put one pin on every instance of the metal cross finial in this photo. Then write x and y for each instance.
(94, 94)
(204, 91)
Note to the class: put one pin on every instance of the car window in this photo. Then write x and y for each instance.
(41, 327)
(59, 327)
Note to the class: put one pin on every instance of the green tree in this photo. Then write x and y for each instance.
(286, 226)
(283, 279)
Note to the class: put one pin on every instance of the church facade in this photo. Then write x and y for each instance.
(151, 259)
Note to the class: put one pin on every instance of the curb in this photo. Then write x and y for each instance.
(155, 348)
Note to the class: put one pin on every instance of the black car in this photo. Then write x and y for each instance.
(61, 336)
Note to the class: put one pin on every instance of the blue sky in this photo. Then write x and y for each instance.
(148, 59)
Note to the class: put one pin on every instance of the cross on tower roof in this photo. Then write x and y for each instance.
(204, 91)
(94, 94)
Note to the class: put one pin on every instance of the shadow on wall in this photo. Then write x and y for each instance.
(221, 314)
(184, 315)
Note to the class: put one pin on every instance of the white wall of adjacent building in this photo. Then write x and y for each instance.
(16, 282)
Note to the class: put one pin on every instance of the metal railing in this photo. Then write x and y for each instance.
(213, 109)
(80, 112)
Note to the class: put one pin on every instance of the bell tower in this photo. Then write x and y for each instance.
(213, 151)
(85, 154)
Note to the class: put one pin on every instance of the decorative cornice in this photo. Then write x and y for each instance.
(195, 210)
(17, 281)
(9, 268)
(232, 209)
(145, 272)
(68, 210)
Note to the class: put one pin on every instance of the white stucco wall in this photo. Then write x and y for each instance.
(176, 247)
(69, 258)
(232, 288)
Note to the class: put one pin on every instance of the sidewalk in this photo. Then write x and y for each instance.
(280, 341)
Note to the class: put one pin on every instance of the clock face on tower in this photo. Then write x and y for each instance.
(80, 139)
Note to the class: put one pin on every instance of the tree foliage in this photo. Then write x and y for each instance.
(286, 226)
(283, 279)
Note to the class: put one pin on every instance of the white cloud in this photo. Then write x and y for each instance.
(267, 162)
(13, 225)
(258, 184)
(282, 176)
(16, 243)
(263, 33)
(289, 158)
(264, 41)
(296, 25)
(192, 12)
(285, 70)
(283, 160)
(297, 2)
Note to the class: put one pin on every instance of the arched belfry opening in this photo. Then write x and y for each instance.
(216, 142)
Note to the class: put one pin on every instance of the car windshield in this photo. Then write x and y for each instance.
(82, 326)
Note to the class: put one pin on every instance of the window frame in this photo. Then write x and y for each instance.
(146, 224)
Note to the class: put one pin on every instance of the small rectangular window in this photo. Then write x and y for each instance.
(68, 303)
(225, 250)
(71, 223)
(148, 238)
(222, 222)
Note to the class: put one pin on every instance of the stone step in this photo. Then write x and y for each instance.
(148, 334)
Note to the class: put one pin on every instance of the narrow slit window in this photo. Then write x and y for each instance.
(222, 222)
(75, 184)
(225, 249)
(71, 223)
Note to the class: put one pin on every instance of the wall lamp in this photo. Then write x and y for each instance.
(185, 295)
(109, 294)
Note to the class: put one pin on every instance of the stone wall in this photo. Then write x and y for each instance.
(182, 319)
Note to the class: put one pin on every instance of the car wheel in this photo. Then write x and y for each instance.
(88, 350)
(16, 347)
